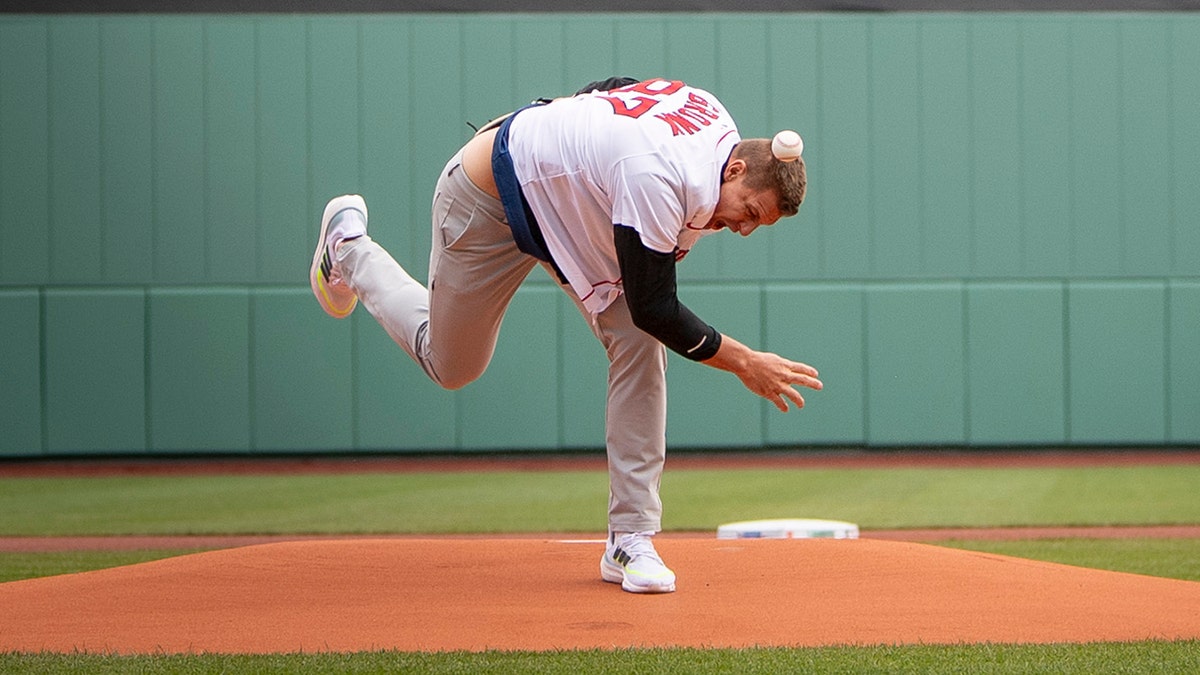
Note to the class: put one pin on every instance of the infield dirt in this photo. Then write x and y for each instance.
(520, 594)
(287, 594)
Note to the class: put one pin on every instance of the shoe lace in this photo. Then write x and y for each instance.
(335, 275)
(638, 545)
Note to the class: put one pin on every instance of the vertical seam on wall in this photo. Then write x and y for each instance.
(1167, 431)
(819, 113)
(251, 373)
(872, 203)
(100, 136)
(922, 155)
(50, 78)
(204, 150)
(1173, 182)
(864, 320)
(966, 360)
(1123, 203)
(43, 360)
(764, 408)
(147, 364)
(153, 150)
(1072, 216)
(308, 116)
(258, 161)
(1022, 207)
(560, 381)
(972, 156)
(1066, 347)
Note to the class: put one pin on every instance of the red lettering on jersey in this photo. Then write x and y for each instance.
(638, 99)
(695, 115)
(655, 87)
(648, 94)
(678, 123)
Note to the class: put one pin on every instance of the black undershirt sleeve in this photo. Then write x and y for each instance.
(648, 277)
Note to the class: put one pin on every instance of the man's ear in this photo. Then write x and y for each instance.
(734, 168)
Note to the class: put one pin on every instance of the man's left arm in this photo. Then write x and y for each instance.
(648, 280)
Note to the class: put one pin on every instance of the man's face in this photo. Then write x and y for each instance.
(741, 209)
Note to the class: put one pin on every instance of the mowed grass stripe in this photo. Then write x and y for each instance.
(575, 501)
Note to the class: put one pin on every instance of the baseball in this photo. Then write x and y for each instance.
(787, 146)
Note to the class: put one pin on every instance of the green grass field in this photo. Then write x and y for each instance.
(574, 501)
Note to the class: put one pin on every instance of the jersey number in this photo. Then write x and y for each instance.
(637, 99)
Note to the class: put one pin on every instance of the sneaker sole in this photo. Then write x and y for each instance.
(315, 280)
(615, 574)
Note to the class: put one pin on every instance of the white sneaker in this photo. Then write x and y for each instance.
(345, 218)
(630, 560)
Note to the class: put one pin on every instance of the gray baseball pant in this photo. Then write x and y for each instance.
(450, 330)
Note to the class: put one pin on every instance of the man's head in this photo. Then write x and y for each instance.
(757, 189)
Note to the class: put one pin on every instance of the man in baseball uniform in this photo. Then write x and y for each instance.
(607, 190)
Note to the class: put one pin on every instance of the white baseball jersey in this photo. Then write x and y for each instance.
(648, 156)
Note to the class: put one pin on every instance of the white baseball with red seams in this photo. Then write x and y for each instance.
(787, 146)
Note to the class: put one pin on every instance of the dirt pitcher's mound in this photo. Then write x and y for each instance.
(434, 595)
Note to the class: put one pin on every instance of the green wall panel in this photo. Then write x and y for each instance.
(301, 377)
(95, 371)
(1183, 364)
(387, 163)
(515, 404)
(593, 48)
(708, 407)
(20, 363)
(487, 92)
(821, 325)
(230, 158)
(895, 196)
(75, 232)
(843, 178)
(1015, 364)
(946, 155)
(915, 364)
(199, 370)
(127, 151)
(996, 205)
(1145, 185)
(538, 44)
(287, 223)
(1096, 206)
(24, 152)
(583, 379)
(335, 114)
(941, 145)
(689, 55)
(795, 103)
(641, 46)
(435, 52)
(1184, 39)
(1009, 154)
(1044, 204)
(180, 243)
(396, 407)
(1117, 362)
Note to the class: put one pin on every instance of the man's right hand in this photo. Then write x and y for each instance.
(769, 375)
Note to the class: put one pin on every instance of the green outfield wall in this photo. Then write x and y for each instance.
(1001, 243)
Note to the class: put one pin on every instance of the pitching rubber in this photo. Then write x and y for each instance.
(788, 528)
